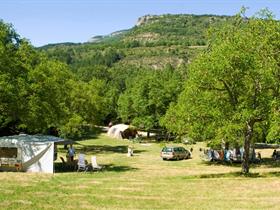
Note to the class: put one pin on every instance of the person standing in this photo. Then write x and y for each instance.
(274, 155)
(71, 153)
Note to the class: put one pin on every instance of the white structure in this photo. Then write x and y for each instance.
(82, 166)
(116, 130)
(129, 151)
(28, 153)
(94, 164)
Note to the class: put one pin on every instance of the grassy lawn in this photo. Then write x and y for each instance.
(143, 181)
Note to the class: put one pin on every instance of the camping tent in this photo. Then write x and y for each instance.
(31, 153)
(116, 130)
(122, 131)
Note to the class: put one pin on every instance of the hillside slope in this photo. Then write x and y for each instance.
(154, 42)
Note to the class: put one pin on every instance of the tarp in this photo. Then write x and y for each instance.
(32, 153)
(115, 130)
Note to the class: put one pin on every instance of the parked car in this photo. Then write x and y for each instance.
(175, 153)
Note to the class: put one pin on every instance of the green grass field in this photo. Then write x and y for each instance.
(143, 181)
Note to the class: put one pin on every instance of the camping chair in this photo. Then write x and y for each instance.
(94, 165)
(82, 166)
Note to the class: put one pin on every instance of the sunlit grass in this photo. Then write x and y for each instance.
(143, 181)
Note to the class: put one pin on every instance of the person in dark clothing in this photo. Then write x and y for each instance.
(274, 154)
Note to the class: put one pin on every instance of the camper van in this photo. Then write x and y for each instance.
(10, 158)
(29, 153)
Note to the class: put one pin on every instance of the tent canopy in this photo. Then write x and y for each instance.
(24, 138)
(121, 131)
(116, 130)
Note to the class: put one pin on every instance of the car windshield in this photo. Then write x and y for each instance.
(167, 149)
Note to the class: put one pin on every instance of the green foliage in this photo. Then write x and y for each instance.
(86, 55)
(16, 59)
(137, 75)
(167, 30)
(148, 96)
(117, 58)
(231, 83)
(87, 100)
(232, 87)
(274, 128)
(38, 93)
(46, 96)
(161, 40)
(73, 128)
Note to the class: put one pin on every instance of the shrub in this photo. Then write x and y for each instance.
(74, 128)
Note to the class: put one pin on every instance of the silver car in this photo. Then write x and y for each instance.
(175, 153)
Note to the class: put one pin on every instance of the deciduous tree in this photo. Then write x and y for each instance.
(233, 86)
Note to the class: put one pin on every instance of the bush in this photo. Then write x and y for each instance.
(75, 128)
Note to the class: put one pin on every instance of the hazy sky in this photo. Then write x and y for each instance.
(52, 21)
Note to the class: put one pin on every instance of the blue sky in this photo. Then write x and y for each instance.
(53, 21)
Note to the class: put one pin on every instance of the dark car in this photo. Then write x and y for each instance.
(175, 153)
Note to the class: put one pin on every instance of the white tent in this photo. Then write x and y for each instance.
(115, 130)
(34, 153)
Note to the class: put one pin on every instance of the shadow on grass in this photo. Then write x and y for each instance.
(117, 168)
(223, 163)
(268, 162)
(235, 175)
(97, 149)
(64, 168)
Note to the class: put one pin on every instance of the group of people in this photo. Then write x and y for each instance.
(228, 155)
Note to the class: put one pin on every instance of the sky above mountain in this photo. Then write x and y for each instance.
(53, 21)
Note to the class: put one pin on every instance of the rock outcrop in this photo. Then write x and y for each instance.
(144, 19)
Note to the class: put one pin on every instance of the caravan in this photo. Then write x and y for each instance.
(28, 153)
(10, 158)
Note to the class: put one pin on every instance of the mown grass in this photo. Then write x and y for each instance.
(143, 181)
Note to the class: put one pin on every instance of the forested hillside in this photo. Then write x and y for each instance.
(155, 42)
(143, 67)
(137, 75)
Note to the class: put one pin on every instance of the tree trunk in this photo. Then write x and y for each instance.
(247, 141)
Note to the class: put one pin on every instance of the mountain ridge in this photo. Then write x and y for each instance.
(154, 42)
(140, 23)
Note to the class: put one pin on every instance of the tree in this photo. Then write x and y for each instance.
(17, 57)
(148, 96)
(87, 100)
(46, 98)
(233, 86)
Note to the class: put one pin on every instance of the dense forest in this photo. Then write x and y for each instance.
(143, 68)
(205, 77)
(125, 77)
